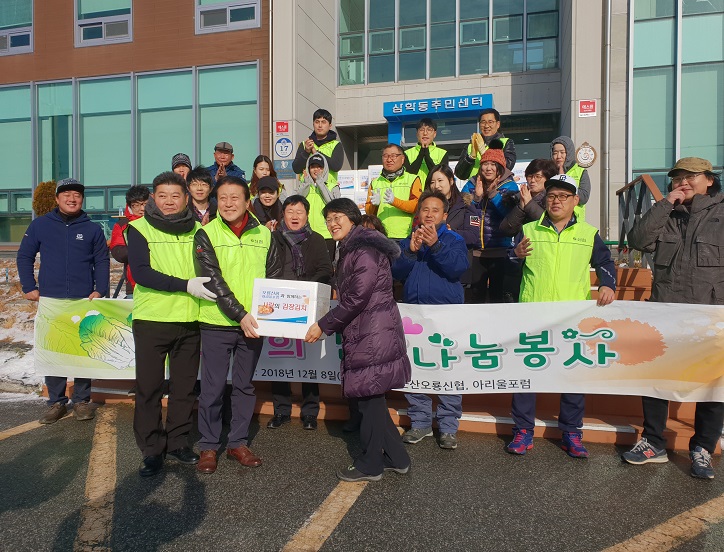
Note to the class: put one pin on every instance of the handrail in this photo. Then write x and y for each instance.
(634, 199)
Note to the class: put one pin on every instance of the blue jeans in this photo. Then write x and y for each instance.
(56, 390)
(449, 410)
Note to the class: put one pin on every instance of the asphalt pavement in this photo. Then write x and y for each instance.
(475, 498)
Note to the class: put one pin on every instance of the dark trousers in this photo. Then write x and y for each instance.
(218, 349)
(282, 393)
(495, 280)
(381, 442)
(181, 342)
(708, 422)
(449, 410)
(570, 416)
(57, 386)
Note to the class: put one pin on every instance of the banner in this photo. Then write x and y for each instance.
(671, 351)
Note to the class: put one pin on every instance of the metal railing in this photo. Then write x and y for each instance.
(634, 200)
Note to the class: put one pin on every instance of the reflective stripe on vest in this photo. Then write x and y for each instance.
(476, 165)
(316, 202)
(397, 223)
(240, 260)
(558, 268)
(436, 154)
(173, 255)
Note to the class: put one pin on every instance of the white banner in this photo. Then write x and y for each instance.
(671, 351)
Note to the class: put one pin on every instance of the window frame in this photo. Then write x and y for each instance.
(81, 24)
(230, 26)
(17, 31)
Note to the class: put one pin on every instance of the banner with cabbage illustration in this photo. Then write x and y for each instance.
(671, 351)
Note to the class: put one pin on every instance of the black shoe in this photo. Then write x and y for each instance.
(278, 421)
(151, 465)
(352, 425)
(184, 455)
(309, 422)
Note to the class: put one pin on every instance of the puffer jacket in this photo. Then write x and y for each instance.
(584, 186)
(373, 341)
(495, 206)
(688, 246)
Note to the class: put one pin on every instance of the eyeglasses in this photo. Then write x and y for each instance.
(560, 197)
(335, 220)
(138, 204)
(678, 180)
(197, 184)
(488, 123)
(537, 176)
(391, 155)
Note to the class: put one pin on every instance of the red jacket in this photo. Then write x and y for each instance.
(118, 246)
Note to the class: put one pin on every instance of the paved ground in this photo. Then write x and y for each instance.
(475, 498)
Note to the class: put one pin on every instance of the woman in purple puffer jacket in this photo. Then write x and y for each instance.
(373, 341)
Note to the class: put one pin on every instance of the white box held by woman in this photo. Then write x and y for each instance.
(288, 308)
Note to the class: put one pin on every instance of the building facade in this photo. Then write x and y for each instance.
(107, 91)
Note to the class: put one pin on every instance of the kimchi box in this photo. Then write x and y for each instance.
(287, 308)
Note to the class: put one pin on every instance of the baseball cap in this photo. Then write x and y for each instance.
(268, 183)
(562, 181)
(692, 164)
(180, 159)
(224, 146)
(69, 184)
(316, 159)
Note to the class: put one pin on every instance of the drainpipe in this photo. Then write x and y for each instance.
(270, 153)
(606, 138)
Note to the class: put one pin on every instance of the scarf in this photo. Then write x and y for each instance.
(295, 238)
(391, 176)
(178, 223)
(265, 214)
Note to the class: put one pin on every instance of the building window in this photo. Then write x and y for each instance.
(165, 120)
(213, 16)
(15, 138)
(105, 131)
(16, 27)
(418, 39)
(55, 131)
(662, 111)
(103, 22)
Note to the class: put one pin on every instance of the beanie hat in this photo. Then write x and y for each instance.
(494, 153)
(180, 159)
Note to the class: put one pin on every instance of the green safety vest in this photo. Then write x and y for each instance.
(397, 223)
(316, 202)
(173, 255)
(576, 172)
(436, 154)
(476, 166)
(558, 268)
(241, 260)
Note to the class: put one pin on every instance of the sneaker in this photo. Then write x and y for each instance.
(701, 464)
(83, 411)
(448, 441)
(522, 441)
(53, 414)
(573, 446)
(644, 452)
(401, 471)
(416, 434)
(352, 474)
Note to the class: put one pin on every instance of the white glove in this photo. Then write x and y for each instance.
(389, 196)
(375, 198)
(195, 287)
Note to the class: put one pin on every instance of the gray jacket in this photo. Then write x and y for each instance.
(302, 188)
(688, 246)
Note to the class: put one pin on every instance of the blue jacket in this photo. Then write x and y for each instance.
(494, 210)
(74, 259)
(432, 274)
(231, 170)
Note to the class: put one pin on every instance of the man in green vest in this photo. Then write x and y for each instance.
(489, 126)
(322, 140)
(393, 195)
(557, 251)
(421, 159)
(232, 250)
(165, 322)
